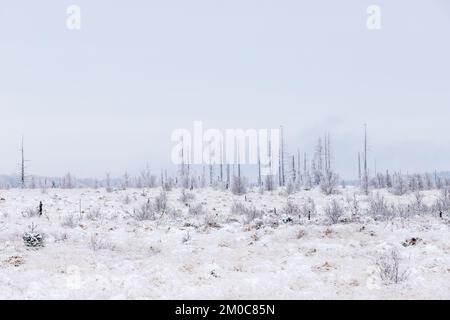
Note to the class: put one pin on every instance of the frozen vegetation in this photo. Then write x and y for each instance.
(210, 243)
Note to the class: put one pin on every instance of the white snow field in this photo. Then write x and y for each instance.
(97, 248)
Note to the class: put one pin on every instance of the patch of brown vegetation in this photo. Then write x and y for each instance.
(324, 267)
(15, 261)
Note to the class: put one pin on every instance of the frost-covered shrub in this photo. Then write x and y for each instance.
(291, 208)
(97, 242)
(148, 210)
(127, 199)
(334, 211)
(173, 213)
(161, 202)
(402, 211)
(186, 196)
(308, 208)
(419, 206)
(399, 185)
(442, 204)
(355, 208)
(249, 213)
(239, 185)
(32, 238)
(69, 221)
(290, 187)
(388, 266)
(94, 214)
(445, 194)
(144, 212)
(167, 186)
(329, 182)
(380, 209)
(237, 208)
(30, 212)
(184, 181)
(196, 209)
(186, 238)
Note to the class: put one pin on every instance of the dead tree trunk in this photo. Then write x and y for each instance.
(22, 166)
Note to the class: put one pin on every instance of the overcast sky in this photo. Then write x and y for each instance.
(107, 97)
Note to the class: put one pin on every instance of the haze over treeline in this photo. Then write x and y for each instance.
(106, 98)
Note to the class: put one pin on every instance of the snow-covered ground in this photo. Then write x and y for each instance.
(95, 248)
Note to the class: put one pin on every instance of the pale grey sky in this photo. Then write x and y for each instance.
(107, 97)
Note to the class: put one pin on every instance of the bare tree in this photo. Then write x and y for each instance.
(293, 173)
(108, 182)
(365, 182)
(259, 165)
(228, 176)
(126, 180)
(269, 179)
(281, 171)
(359, 168)
(239, 186)
(221, 161)
(22, 166)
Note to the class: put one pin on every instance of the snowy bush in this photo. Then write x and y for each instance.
(196, 209)
(30, 212)
(291, 208)
(419, 206)
(186, 238)
(249, 213)
(94, 214)
(186, 196)
(237, 208)
(388, 266)
(173, 213)
(379, 208)
(239, 186)
(144, 212)
(127, 199)
(402, 211)
(161, 202)
(334, 211)
(148, 210)
(308, 208)
(167, 186)
(399, 185)
(442, 204)
(290, 187)
(32, 238)
(329, 182)
(69, 221)
(97, 242)
(185, 181)
(355, 208)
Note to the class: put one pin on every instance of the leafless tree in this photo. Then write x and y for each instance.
(365, 180)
